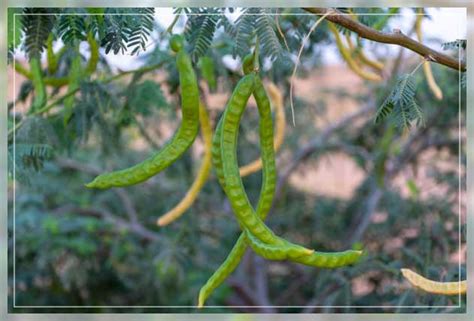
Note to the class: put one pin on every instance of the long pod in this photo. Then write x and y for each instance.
(233, 183)
(75, 76)
(234, 257)
(348, 58)
(51, 57)
(202, 175)
(276, 98)
(374, 64)
(94, 52)
(180, 142)
(38, 84)
(320, 259)
(430, 286)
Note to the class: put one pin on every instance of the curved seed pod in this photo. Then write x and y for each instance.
(280, 127)
(173, 150)
(437, 92)
(447, 288)
(94, 58)
(224, 270)
(51, 57)
(348, 58)
(38, 84)
(75, 76)
(202, 175)
(50, 81)
(276, 252)
(56, 81)
(374, 64)
(216, 153)
(329, 260)
(321, 259)
(233, 183)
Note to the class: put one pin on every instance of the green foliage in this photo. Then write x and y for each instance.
(14, 30)
(244, 31)
(127, 28)
(72, 27)
(141, 27)
(22, 158)
(117, 31)
(200, 29)
(37, 24)
(269, 42)
(401, 104)
(143, 98)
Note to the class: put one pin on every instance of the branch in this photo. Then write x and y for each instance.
(360, 226)
(261, 284)
(117, 222)
(395, 38)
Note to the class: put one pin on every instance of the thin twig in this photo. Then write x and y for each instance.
(300, 52)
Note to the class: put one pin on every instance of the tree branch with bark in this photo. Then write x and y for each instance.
(395, 38)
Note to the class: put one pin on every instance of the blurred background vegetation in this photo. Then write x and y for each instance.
(344, 180)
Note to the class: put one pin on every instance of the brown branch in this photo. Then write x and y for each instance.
(394, 38)
(261, 284)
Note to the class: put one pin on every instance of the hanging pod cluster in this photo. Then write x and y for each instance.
(255, 232)
(221, 151)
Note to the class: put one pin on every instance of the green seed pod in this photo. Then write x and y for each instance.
(177, 43)
(38, 84)
(173, 150)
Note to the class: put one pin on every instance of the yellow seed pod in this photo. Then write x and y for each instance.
(346, 55)
(430, 286)
(276, 97)
(374, 64)
(426, 65)
(202, 175)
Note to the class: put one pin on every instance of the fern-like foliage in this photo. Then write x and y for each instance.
(97, 105)
(142, 98)
(127, 28)
(37, 24)
(401, 104)
(200, 28)
(117, 31)
(33, 146)
(244, 32)
(141, 27)
(269, 42)
(14, 31)
(72, 27)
